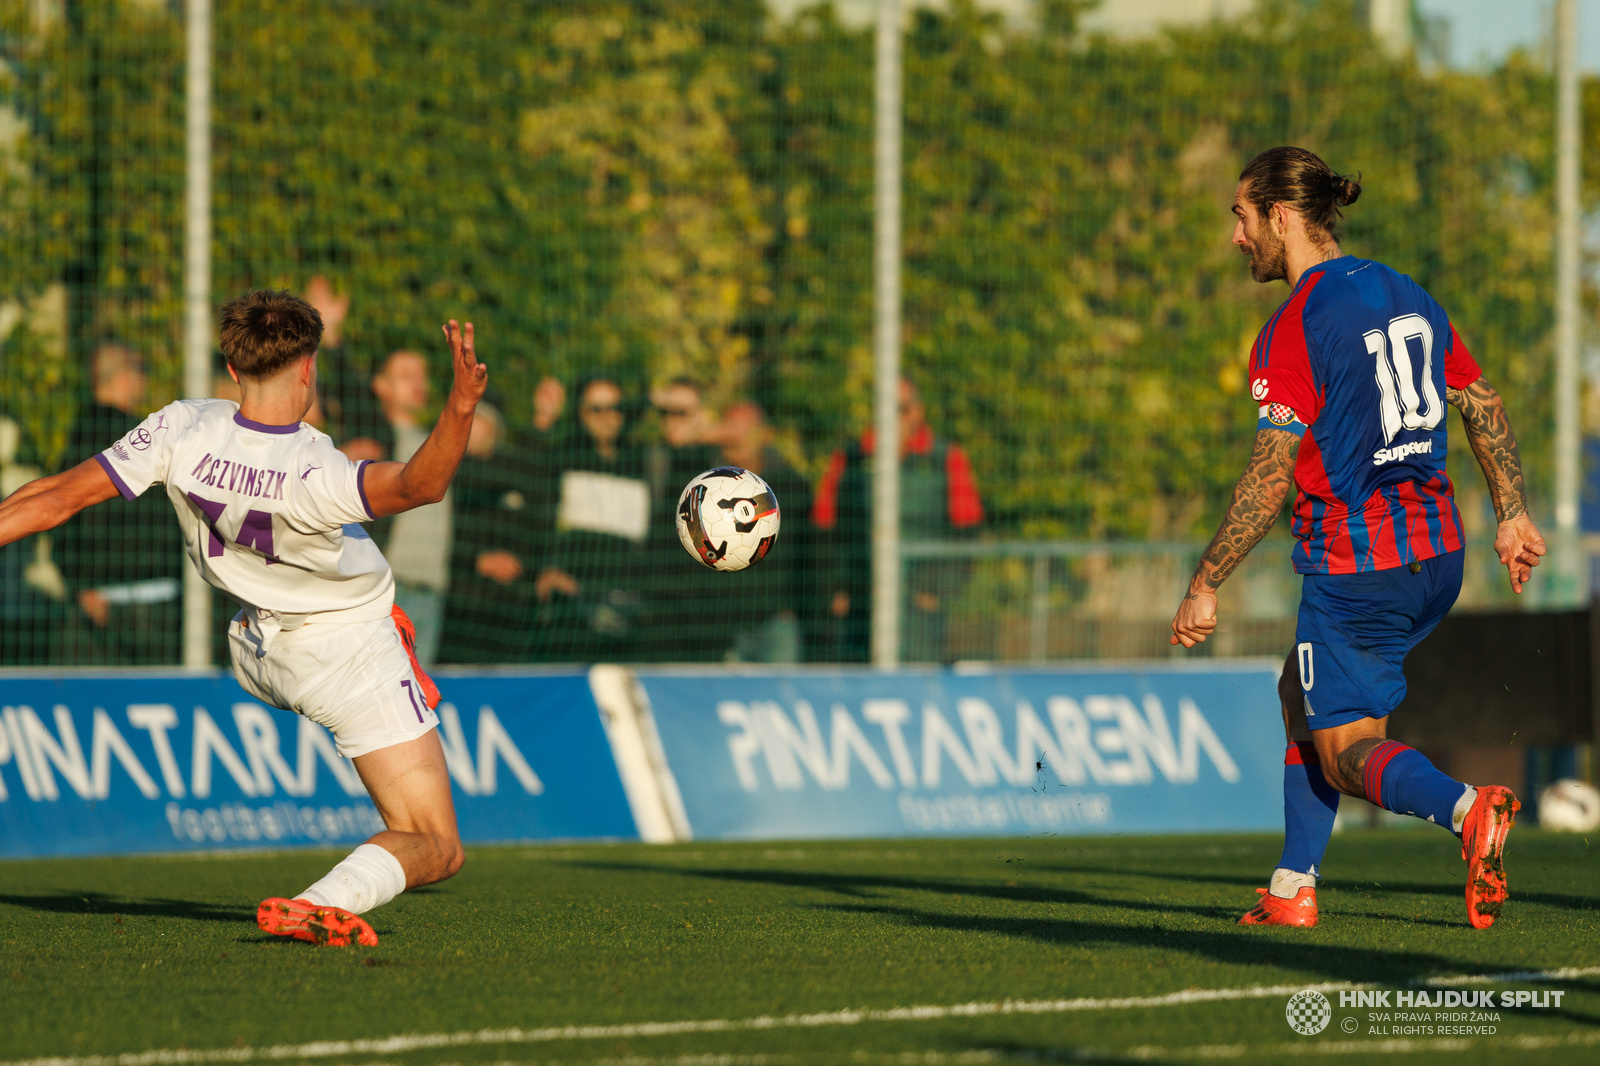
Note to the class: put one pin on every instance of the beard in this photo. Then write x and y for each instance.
(1268, 262)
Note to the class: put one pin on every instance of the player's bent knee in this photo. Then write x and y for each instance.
(448, 858)
(455, 858)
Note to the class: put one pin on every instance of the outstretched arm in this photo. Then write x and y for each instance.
(1517, 542)
(395, 487)
(1257, 500)
(49, 501)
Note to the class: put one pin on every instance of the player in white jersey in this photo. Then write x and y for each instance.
(270, 512)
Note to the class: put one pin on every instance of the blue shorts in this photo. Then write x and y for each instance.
(1355, 631)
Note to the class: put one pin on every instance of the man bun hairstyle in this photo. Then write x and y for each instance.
(265, 330)
(1300, 179)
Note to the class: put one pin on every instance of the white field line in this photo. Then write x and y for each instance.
(1144, 1052)
(1564, 974)
(1395, 1046)
(390, 1045)
(1303, 1049)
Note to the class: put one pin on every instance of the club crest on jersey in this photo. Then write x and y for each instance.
(1280, 414)
(1258, 388)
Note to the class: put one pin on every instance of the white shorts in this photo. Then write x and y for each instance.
(354, 678)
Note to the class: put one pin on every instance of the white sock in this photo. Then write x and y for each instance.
(1286, 884)
(368, 877)
(1463, 805)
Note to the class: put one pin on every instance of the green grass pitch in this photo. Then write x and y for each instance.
(111, 956)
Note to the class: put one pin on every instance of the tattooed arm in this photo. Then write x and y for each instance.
(1257, 501)
(1517, 542)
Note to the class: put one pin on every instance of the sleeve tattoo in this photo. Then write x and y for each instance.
(1489, 432)
(1257, 501)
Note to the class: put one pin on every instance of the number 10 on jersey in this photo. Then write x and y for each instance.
(1407, 399)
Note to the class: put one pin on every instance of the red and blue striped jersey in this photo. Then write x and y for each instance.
(1356, 362)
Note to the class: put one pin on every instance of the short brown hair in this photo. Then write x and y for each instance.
(265, 330)
(1302, 180)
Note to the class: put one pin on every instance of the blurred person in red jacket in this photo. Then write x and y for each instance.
(938, 501)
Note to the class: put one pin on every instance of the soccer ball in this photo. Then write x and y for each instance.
(728, 518)
(1570, 806)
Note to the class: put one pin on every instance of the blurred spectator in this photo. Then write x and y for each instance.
(766, 606)
(122, 562)
(687, 434)
(491, 558)
(549, 403)
(417, 543)
(686, 448)
(938, 501)
(344, 404)
(595, 515)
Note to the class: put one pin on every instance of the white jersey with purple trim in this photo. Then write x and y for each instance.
(269, 513)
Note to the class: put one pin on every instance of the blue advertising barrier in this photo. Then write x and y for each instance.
(941, 752)
(124, 763)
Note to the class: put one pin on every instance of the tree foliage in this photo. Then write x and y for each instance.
(669, 187)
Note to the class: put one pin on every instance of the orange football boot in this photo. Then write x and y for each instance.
(1483, 842)
(1275, 910)
(303, 920)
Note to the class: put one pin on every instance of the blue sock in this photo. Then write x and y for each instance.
(1401, 779)
(1309, 804)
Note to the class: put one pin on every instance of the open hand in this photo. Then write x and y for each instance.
(499, 566)
(1519, 545)
(471, 376)
(333, 309)
(1196, 619)
(553, 579)
(94, 604)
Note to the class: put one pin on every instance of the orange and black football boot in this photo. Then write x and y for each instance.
(1483, 843)
(1275, 910)
(328, 926)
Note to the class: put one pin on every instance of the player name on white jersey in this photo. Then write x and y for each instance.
(270, 514)
(236, 477)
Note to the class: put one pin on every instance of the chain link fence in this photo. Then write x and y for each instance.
(659, 216)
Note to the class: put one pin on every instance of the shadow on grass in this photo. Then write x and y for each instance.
(1005, 1051)
(864, 885)
(1136, 927)
(102, 903)
(1008, 1051)
(1333, 961)
(1336, 885)
(288, 943)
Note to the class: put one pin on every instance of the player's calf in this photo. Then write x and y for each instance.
(1399, 778)
(426, 857)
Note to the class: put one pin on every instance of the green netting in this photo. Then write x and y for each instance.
(626, 195)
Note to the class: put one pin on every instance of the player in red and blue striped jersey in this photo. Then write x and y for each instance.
(1352, 375)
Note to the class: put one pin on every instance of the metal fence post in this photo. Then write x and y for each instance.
(886, 341)
(197, 287)
(1568, 447)
(1039, 621)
